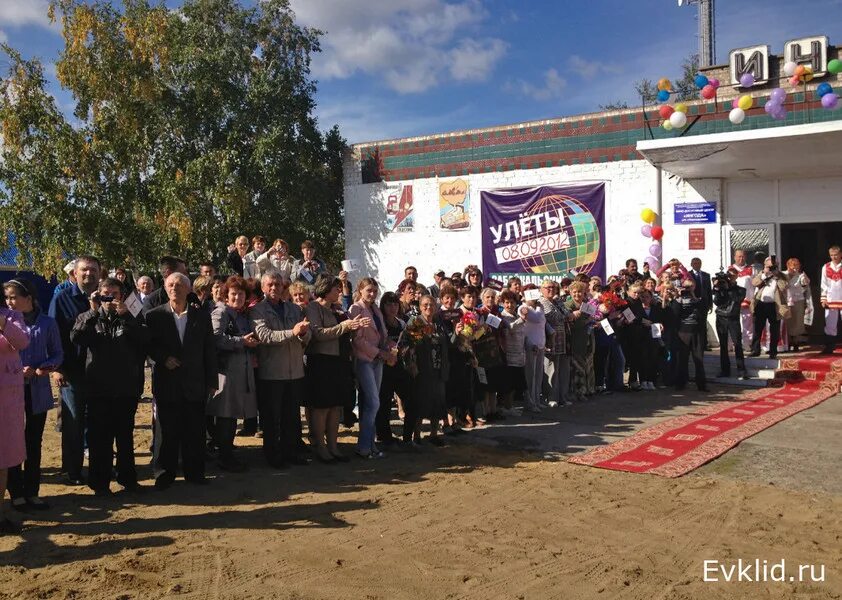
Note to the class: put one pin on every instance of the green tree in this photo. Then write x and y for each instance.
(685, 87)
(190, 127)
(647, 90)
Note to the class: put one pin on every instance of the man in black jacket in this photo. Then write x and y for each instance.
(728, 298)
(115, 343)
(185, 375)
(690, 314)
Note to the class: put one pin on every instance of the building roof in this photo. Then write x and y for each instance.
(590, 138)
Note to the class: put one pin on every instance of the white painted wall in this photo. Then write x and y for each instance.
(630, 187)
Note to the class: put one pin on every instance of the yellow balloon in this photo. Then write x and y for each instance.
(681, 107)
(648, 215)
(745, 102)
(808, 74)
(664, 84)
(667, 125)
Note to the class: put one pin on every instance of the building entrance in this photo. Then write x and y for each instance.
(809, 242)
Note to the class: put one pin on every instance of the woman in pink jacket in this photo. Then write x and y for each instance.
(371, 350)
(13, 339)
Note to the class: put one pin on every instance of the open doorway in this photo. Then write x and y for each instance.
(809, 243)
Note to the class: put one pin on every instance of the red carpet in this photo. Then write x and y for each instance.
(679, 445)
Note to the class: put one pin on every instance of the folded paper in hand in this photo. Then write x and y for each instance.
(351, 264)
(134, 304)
(606, 327)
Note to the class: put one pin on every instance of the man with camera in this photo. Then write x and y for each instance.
(768, 305)
(728, 298)
(690, 315)
(113, 374)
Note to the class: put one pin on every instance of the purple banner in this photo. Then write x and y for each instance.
(547, 231)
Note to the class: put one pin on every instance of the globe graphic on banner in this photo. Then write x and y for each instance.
(582, 231)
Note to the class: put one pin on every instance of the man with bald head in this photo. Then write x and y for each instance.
(185, 375)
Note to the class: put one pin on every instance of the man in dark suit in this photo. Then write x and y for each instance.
(704, 291)
(185, 375)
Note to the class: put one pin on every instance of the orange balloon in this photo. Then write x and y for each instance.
(799, 70)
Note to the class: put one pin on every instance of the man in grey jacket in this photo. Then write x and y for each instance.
(283, 332)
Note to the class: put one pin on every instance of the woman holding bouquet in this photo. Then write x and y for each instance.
(428, 352)
(459, 390)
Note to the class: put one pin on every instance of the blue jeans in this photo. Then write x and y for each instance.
(369, 376)
(73, 420)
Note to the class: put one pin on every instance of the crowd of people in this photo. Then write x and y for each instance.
(279, 334)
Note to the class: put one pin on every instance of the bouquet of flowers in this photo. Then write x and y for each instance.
(416, 330)
(483, 342)
(472, 328)
(611, 301)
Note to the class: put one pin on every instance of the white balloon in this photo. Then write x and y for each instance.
(678, 119)
(789, 68)
(737, 116)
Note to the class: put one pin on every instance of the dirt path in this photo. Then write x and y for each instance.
(467, 522)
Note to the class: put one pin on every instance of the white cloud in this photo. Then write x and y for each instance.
(551, 87)
(3, 37)
(372, 118)
(589, 69)
(18, 13)
(474, 60)
(411, 45)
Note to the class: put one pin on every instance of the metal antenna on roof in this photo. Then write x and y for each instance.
(707, 41)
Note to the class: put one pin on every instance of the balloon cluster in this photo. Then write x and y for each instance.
(707, 86)
(774, 106)
(797, 73)
(674, 117)
(656, 232)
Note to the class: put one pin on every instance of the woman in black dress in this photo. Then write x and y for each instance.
(328, 373)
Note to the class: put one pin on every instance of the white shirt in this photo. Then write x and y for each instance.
(795, 287)
(767, 293)
(535, 327)
(180, 322)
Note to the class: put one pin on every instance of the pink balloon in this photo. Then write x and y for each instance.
(646, 231)
(735, 103)
(714, 82)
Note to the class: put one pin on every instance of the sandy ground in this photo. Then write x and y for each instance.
(464, 521)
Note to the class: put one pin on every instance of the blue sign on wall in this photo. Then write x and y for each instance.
(694, 213)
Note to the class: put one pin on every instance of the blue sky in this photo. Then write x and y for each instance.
(395, 68)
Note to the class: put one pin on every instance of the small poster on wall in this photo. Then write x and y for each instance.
(400, 215)
(454, 205)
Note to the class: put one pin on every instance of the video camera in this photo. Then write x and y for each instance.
(721, 279)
